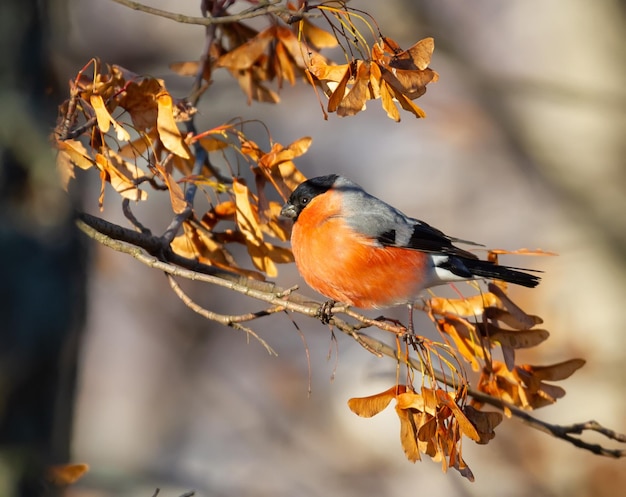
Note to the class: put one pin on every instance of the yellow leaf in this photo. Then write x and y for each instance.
(102, 114)
(168, 131)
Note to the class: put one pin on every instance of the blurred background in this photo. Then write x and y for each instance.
(524, 146)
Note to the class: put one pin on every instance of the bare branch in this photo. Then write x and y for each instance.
(269, 7)
(290, 300)
(231, 321)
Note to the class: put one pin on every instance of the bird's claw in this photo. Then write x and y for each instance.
(325, 313)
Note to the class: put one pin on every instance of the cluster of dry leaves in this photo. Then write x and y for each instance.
(279, 53)
(433, 420)
(129, 129)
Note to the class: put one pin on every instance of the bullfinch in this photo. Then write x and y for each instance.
(356, 249)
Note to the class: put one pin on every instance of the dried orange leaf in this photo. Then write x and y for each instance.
(320, 68)
(177, 197)
(118, 180)
(465, 337)
(247, 221)
(523, 251)
(168, 131)
(105, 119)
(354, 101)
(408, 434)
(467, 307)
(387, 102)
(245, 55)
(76, 152)
(61, 475)
(467, 428)
(416, 57)
(318, 37)
(340, 91)
(367, 407)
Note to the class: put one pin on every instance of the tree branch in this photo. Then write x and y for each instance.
(268, 7)
(134, 244)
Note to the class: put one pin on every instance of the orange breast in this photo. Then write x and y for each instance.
(347, 267)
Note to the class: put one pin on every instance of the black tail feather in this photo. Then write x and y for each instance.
(486, 269)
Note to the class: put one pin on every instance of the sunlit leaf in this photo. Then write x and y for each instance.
(318, 37)
(367, 407)
(168, 131)
(466, 307)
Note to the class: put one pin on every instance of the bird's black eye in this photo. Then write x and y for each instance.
(305, 200)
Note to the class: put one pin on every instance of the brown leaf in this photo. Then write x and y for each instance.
(339, 93)
(517, 339)
(367, 407)
(387, 102)
(177, 197)
(105, 120)
(518, 314)
(318, 37)
(118, 180)
(62, 475)
(416, 57)
(245, 55)
(201, 245)
(465, 337)
(71, 153)
(467, 428)
(321, 69)
(555, 372)
(168, 131)
(409, 419)
(355, 99)
(140, 101)
(485, 422)
(509, 319)
(248, 224)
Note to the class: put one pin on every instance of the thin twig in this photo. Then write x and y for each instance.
(270, 7)
(231, 321)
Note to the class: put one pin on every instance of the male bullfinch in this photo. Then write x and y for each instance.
(356, 249)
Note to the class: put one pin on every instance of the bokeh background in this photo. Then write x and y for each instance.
(524, 146)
